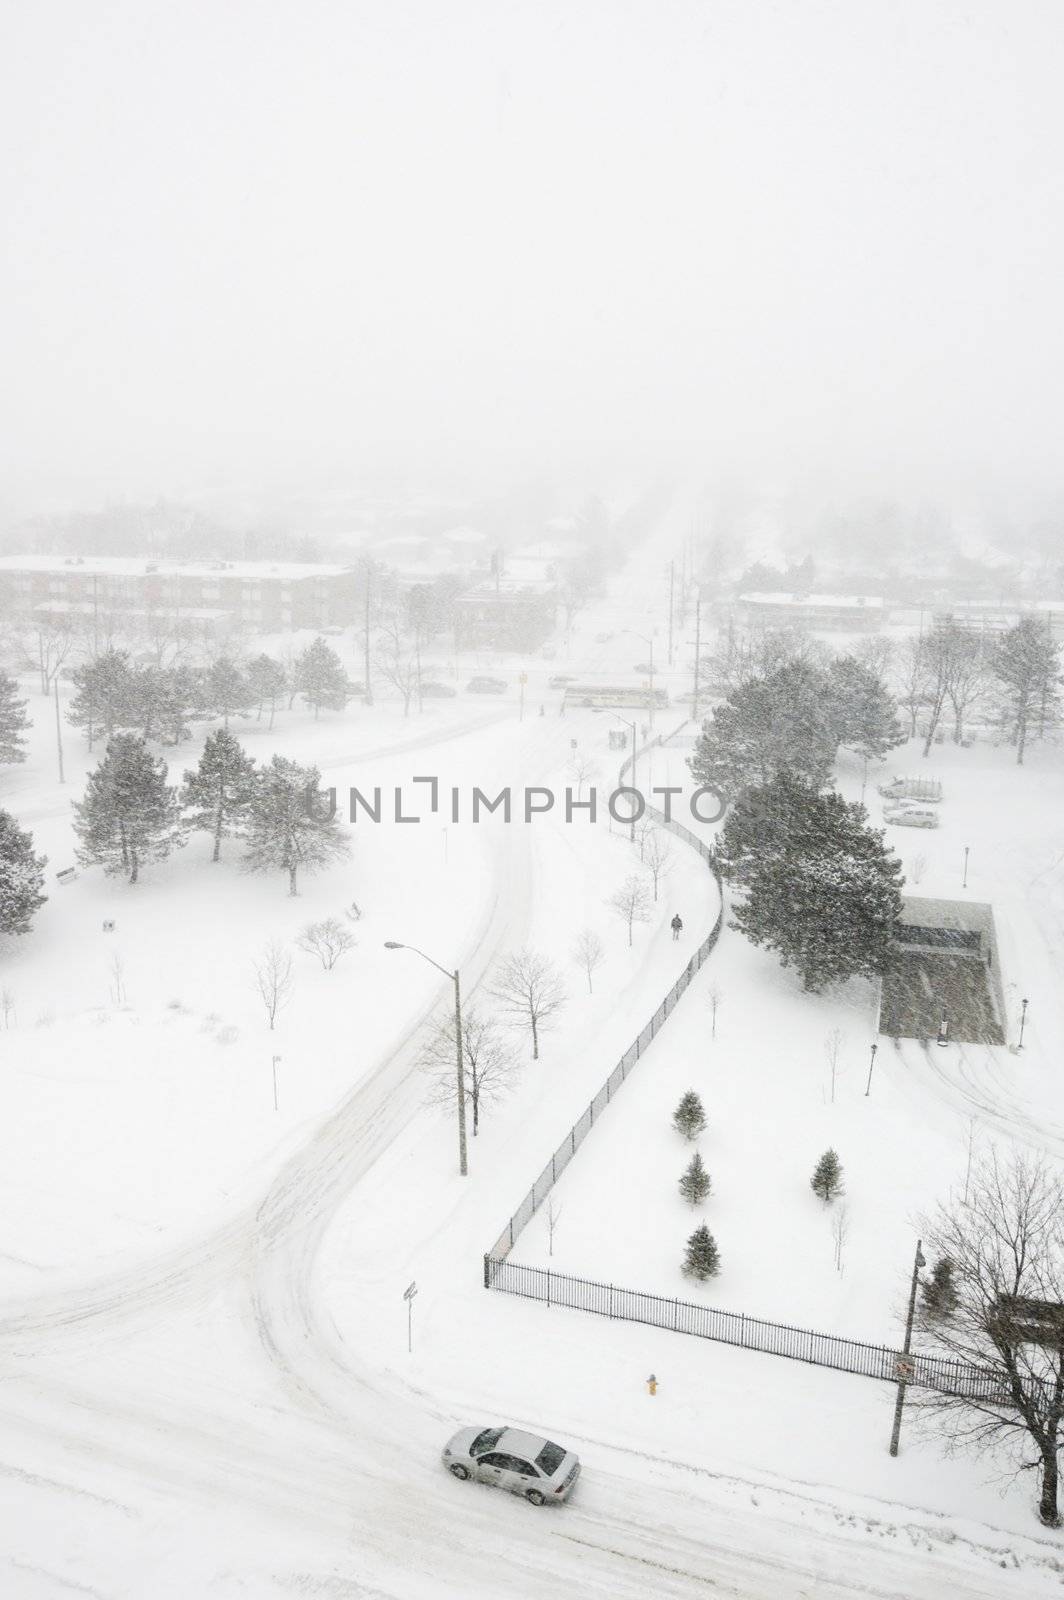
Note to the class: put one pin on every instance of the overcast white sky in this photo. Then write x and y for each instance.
(248, 237)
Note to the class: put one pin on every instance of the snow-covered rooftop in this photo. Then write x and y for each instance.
(865, 601)
(141, 566)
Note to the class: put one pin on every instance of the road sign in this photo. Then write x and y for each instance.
(410, 1291)
(408, 1295)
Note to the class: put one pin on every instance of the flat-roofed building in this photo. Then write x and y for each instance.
(828, 613)
(199, 597)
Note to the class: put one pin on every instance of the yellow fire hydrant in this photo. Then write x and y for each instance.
(652, 1384)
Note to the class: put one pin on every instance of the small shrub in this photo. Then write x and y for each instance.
(689, 1118)
(827, 1176)
(702, 1259)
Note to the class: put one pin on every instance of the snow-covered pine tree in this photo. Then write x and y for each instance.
(289, 826)
(702, 1258)
(181, 696)
(689, 1118)
(129, 814)
(320, 678)
(1026, 663)
(266, 682)
(13, 721)
(823, 889)
(781, 722)
(827, 1176)
(228, 692)
(695, 1183)
(864, 713)
(217, 795)
(21, 877)
(103, 693)
(940, 1291)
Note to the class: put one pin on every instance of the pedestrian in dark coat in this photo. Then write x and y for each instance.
(676, 925)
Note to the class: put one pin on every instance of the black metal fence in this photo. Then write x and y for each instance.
(748, 1333)
(586, 1121)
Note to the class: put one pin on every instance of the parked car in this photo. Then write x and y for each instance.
(487, 686)
(910, 816)
(645, 668)
(560, 680)
(507, 1458)
(437, 691)
(926, 789)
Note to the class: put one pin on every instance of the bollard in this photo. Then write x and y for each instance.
(652, 1384)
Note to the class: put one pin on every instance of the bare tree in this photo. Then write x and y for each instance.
(582, 769)
(273, 979)
(833, 1049)
(911, 681)
(937, 659)
(631, 903)
(657, 858)
(54, 638)
(488, 1063)
(713, 995)
(118, 979)
(531, 990)
(1006, 1247)
(876, 653)
(328, 940)
(554, 1213)
(917, 868)
(840, 1227)
(7, 1006)
(397, 663)
(968, 675)
(588, 952)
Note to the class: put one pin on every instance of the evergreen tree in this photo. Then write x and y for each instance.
(695, 1183)
(289, 826)
(827, 1176)
(228, 692)
(1027, 665)
(218, 794)
(181, 696)
(129, 814)
(864, 713)
(103, 696)
(689, 1118)
(823, 890)
(940, 1290)
(702, 1258)
(782, 722)
(13, 721)
(320, 678)
(21, 877)
(266, 682)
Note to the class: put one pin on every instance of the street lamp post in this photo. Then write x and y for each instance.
(635, 750)
(964, 880)
(275, 1061)
(871, 1064)
(1023, 1020)
(463, 1159)
(904, 1365)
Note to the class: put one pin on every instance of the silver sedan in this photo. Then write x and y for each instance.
(523, 1463)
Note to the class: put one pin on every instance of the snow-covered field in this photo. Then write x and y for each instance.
(206, 1387)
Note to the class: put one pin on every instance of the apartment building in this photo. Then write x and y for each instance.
(200, 598)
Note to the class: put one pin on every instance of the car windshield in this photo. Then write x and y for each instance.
(485, 1441)
(550, 1458)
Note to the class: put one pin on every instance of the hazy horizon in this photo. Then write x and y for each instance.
(813, 246)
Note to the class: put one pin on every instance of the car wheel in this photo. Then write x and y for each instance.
(534, 1497)
(458, 1471)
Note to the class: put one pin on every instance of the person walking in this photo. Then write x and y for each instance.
(676, 925)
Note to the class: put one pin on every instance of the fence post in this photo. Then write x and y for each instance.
(487, 1275)
(611, 1299)
(553, 1174)
(572, 1137)
(548, 1288)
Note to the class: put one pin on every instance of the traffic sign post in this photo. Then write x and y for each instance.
(408, 1295)
(522, 680)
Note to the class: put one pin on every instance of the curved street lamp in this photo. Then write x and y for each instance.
(393, 944)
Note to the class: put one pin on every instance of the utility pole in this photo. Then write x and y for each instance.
(275, 1061)
(58, 729)
(672, 591)
(698, 652)
(871, 1064)
(367, 698)
(904, 1366)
